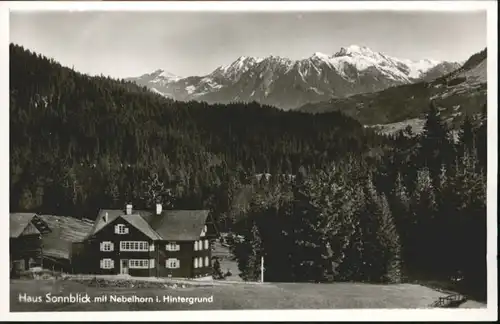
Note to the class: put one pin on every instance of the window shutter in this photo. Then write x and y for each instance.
(196, 263)
(112, 263)
(112, 246)
(178, 246)
(152, 263)
(101, 246)
(102, 264)
(126, 230)
(207, 262)
(196, 246)
(206, 244)
(116, 229)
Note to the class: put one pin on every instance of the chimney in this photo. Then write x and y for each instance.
(129, 209)
(158, 209)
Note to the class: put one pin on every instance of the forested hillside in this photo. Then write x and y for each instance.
(80, 143)
(361, 207)
(419, 214)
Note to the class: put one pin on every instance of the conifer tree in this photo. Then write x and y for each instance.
(350, 267)
(423, 210)
(252, 269)
(434, 147)
(466, 135)
(373, 263)
(390, 243)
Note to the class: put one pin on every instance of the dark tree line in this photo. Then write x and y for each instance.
(419, 213)
(319, 196)
(80, 143)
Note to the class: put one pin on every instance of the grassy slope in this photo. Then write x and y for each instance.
(235, 296)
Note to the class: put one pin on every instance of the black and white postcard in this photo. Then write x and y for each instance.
(180, 157)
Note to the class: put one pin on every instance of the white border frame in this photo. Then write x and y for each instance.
(489, 313)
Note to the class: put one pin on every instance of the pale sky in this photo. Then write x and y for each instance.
(125, 44)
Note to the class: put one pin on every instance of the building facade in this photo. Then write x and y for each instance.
(25, 244)
(173, 243)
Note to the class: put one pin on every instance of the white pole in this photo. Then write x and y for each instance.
(262, 269)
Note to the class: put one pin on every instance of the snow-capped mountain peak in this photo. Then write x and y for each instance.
(354, 50)
(161, 76)
(168, 75)
(288, 83)
(363, 58)
(319, 55)
(234, 70)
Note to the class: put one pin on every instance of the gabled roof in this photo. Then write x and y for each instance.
(100, 223)
(65, 231)
(56, 247)
(19, 222)
(179, 225)
(138, 222)
(171, 225)
(135, 220)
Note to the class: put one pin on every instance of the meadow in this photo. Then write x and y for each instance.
(228, 296)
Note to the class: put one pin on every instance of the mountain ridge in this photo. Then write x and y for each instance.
(458, 93)
(288, 84)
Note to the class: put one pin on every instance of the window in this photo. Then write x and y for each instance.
(200, 245)
(195, 263)
(207, 262)
(107, 246)
(196, 246)
(152, 263)
(107, 264)
(172, 246)
(204, 231)
(200, 262)
(206, 244)
(121, 229)
(135, 246)
(172, 263)
(138, 264)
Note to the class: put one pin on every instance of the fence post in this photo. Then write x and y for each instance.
(262, 269)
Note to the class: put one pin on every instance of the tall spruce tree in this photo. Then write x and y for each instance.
(466, 138)
(423, 212)
(435, 148)
(390, 243)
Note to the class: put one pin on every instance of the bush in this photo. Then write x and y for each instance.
(216, 270)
